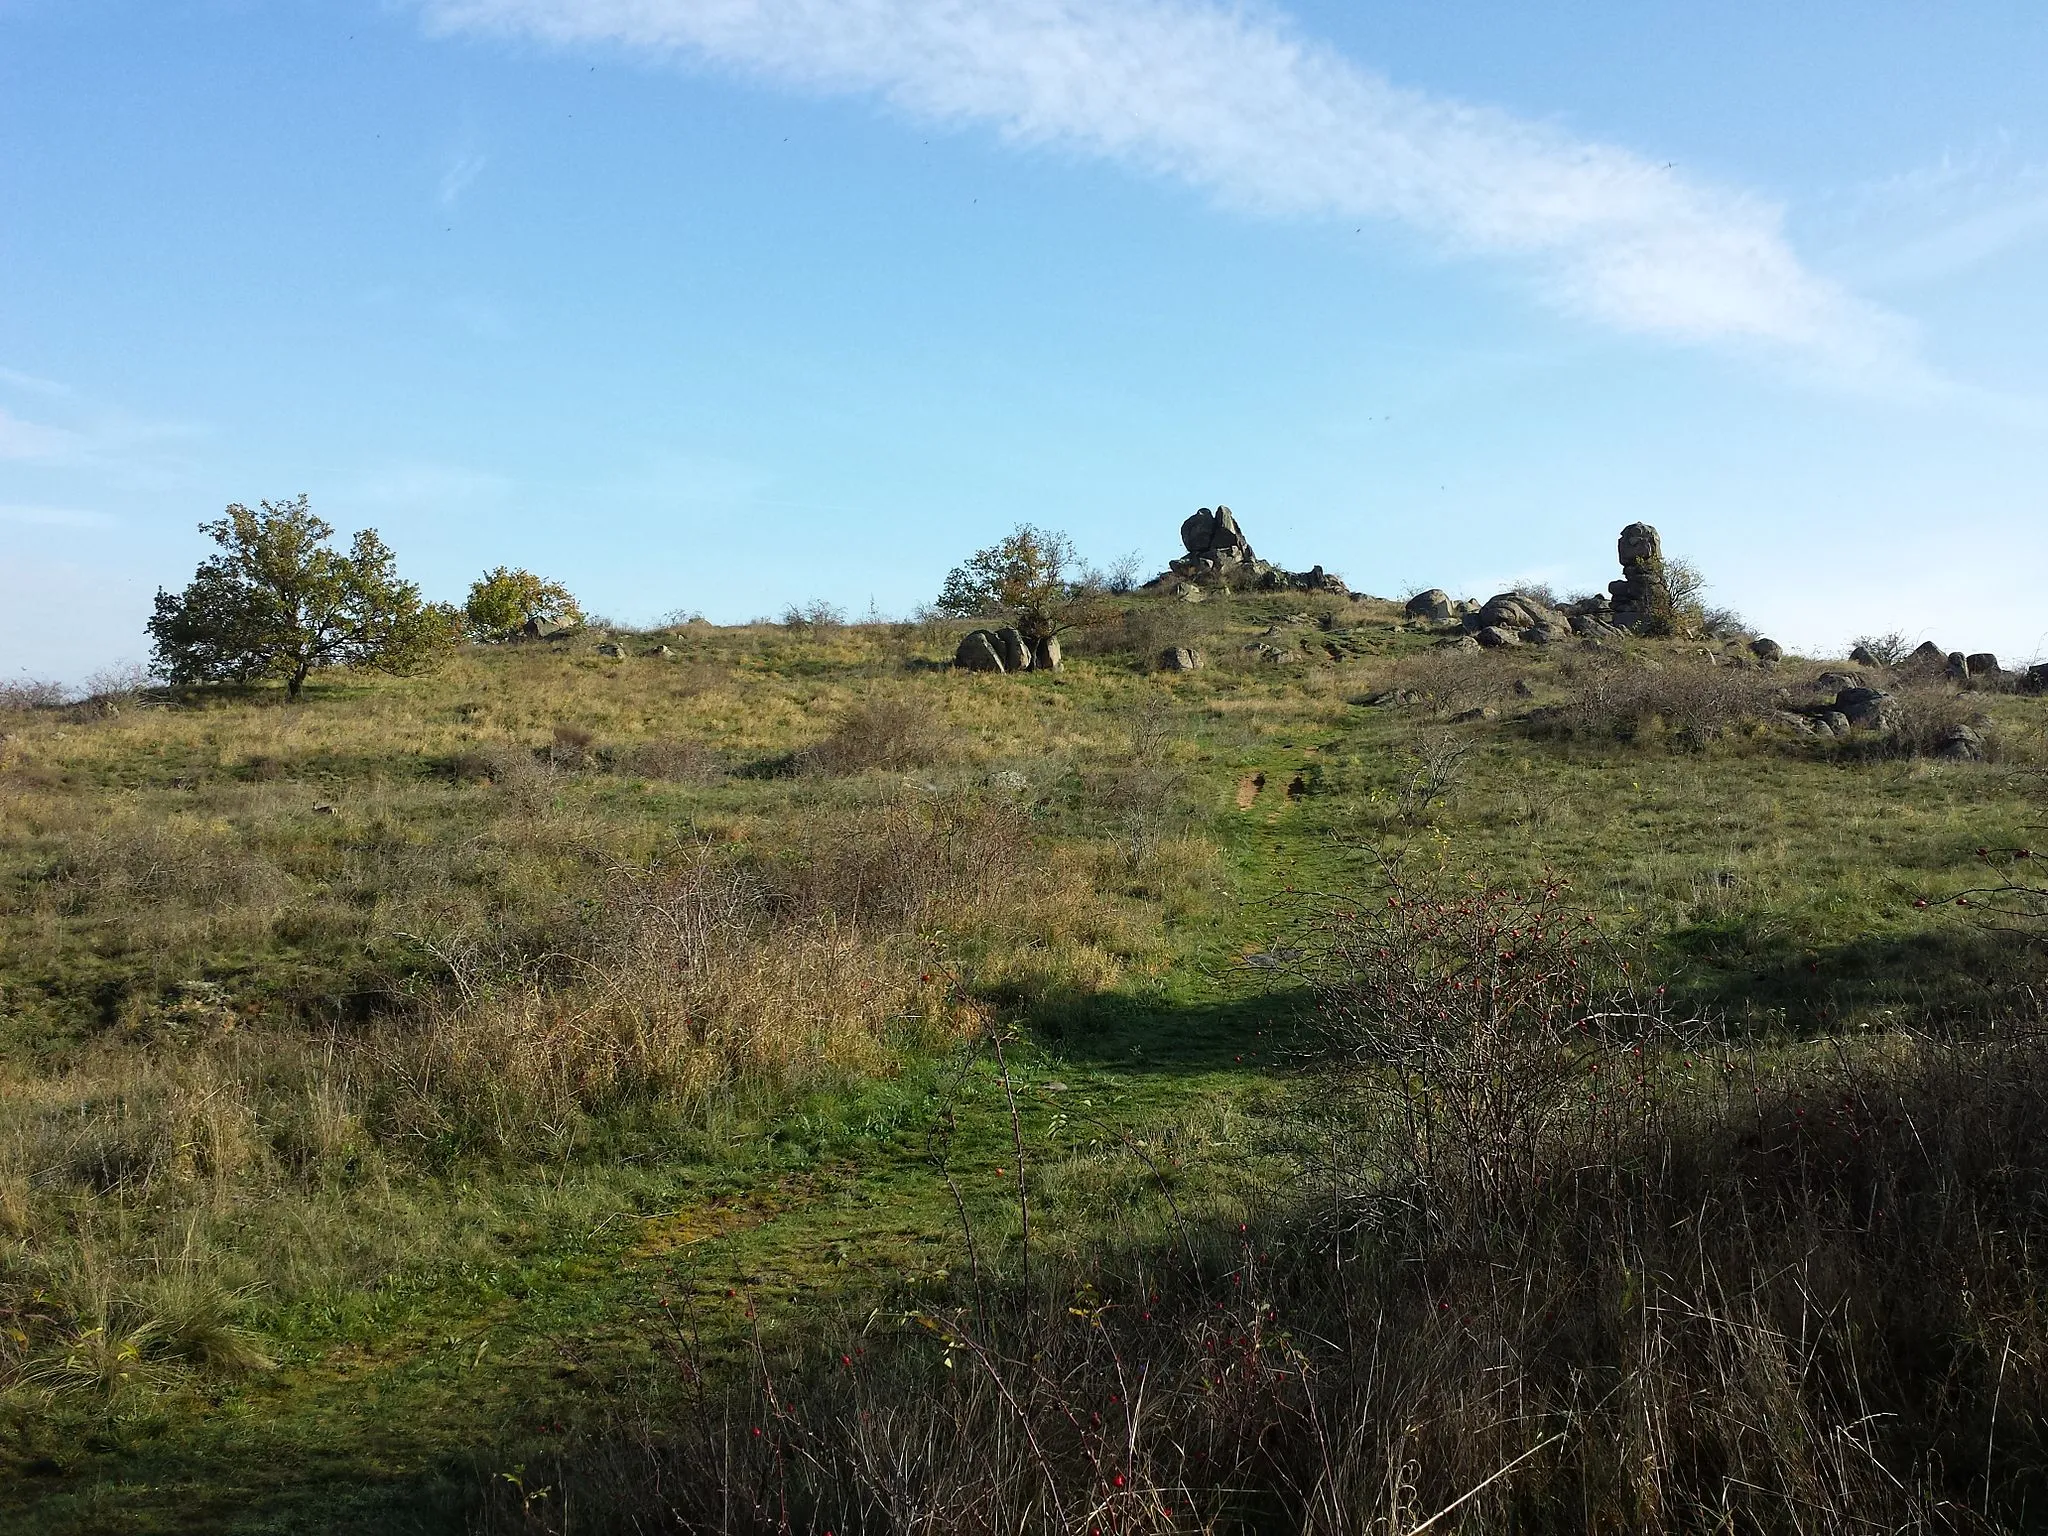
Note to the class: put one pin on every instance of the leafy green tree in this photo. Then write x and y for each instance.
(277, 602)
(1034, 579)
(502, 603)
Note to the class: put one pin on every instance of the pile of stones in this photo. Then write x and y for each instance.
(1219, 555)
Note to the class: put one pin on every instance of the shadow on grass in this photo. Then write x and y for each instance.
(1237, 1034)
(1746, 972)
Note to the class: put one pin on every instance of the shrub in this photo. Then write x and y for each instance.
(814, 618)
(27, 694)
(1691, 702)
(1449, 679)
(678, 761)
(1889, 650)
(885, 733)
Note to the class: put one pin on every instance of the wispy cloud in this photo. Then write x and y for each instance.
(29, 383)
(460, 174)
(33, 441)
(55, 517)
(1236, 101)
(1945, 218)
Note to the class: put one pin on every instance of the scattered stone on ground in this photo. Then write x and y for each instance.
(612, 649)
(1180, 658)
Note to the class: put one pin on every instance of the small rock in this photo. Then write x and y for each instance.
(661, 650)
(1180, 658)
(1470, 716)
(612, 649)
(1864, 656)
(1766, 650)
(1493, 637)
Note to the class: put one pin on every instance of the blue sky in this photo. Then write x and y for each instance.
(722, 304)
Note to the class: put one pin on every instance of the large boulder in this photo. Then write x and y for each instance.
(1180, 658)
(978, 653)
(1431, 607)
(1982, 664)
(1927, 660)
(1868, 709)
(1764, 649)
(1045, 656)
(1496, 636)
(1516, 611)
(1013, 648)
(1215, 534)
(1961, 743)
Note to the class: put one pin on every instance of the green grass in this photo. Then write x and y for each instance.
(187, 888)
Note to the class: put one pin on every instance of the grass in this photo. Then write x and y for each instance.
(376, 1067)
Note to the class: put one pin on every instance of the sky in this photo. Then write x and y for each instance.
(722, 305)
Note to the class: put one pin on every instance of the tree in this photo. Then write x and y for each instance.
(1034, 579)
(277, 602)
(502, 603)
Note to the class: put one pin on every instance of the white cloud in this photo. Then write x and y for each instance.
(1235, 101)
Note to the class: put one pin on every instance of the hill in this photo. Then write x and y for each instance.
(767, 1077)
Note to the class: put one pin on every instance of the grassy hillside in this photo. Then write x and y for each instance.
(460, 1098)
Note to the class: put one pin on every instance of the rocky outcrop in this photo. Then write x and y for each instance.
(1219, 555)
(1640, 602)
(1006, 650)
(1642, 598)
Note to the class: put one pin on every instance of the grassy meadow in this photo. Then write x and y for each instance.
(775, 1081)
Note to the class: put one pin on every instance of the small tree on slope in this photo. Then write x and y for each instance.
(277, 602)
(502, 603)
(1033, 578)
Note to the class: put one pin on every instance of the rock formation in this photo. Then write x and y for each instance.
(1006, 650)
(1219, 555)
(1642, 598)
